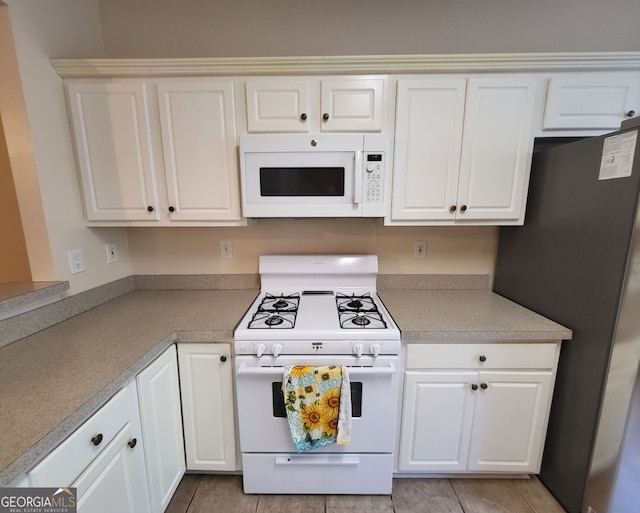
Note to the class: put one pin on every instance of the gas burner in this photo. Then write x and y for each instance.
(355, 303)
(274, 320)
(360, 320)
(281, 303)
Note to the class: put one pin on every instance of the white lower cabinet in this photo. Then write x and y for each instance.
(103, 458)
(161, 415)
(206, 389)
(115, 480)
(476, 407)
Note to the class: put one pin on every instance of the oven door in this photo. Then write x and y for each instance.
(262, 420)
(302, 175)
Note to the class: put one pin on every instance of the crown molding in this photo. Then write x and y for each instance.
(339, 65)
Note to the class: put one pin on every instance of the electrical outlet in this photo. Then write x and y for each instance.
(226, 250)
(76, 262)
(420, 250)
(112, 252)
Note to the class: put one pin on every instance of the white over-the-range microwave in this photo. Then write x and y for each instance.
(313, 175)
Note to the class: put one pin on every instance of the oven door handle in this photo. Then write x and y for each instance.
(318, 460)
(353, 371)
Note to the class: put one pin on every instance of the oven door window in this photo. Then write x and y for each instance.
(302, 181)
(277, 400)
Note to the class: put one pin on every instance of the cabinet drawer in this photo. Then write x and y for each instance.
(481, 356)
(64, 464)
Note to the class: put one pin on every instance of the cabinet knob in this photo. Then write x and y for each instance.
(97, 440)
(325, 117)
(223, 358)
(463, 208)
(303, 116)
(452, 208)
(132, 443)
(484, 386)
(482, 358)
(172, 209)
(631, 113)
(150, 208)
(474, 387)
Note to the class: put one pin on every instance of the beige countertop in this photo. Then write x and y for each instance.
(466, 316)
(52, 381)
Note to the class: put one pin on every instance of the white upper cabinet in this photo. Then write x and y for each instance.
(591, 100)
(199, 147)
(112, 129)
(352, 104)
(428, 142)
(462, 149)
(276, 105)
(157, 152)
(342, 104)
(496, 149)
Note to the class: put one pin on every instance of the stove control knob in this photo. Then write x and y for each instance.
(276, 349)
(358, 349)
(260, 349)
(374, 349)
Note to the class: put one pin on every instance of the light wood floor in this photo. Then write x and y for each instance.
(217, 493)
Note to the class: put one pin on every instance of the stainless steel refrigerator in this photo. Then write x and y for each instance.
(576, 261)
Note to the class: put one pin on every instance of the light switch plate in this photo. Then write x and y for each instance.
(76, 262)
(112, 252)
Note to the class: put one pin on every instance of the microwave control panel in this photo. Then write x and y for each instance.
(374, 177)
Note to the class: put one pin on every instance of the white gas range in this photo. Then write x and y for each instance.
(317, 311)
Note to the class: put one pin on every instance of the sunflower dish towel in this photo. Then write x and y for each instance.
(318, 405)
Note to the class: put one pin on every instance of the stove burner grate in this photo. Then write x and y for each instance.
(359, 311)
(282, 303)
(276, 312)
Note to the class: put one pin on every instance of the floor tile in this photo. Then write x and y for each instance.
(424, 495)
(490, 496)
(222, 493)
(358, 504)
(538, 496)
(291, 503)
(184, 493)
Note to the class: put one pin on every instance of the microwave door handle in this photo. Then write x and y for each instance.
(357, 182)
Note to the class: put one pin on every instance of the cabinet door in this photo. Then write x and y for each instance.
(198, 128)
(591, 100)
(279, 105)
(111, 124)
(208, 406)
(116, 480)
(161, 416)
(436, 421)
(352, 104)
(510, 421)
(496, 149)
(429, 119)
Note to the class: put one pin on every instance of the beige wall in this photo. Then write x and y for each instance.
(168, 28)
(197, 250)
(14, 260)
(42, 30)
